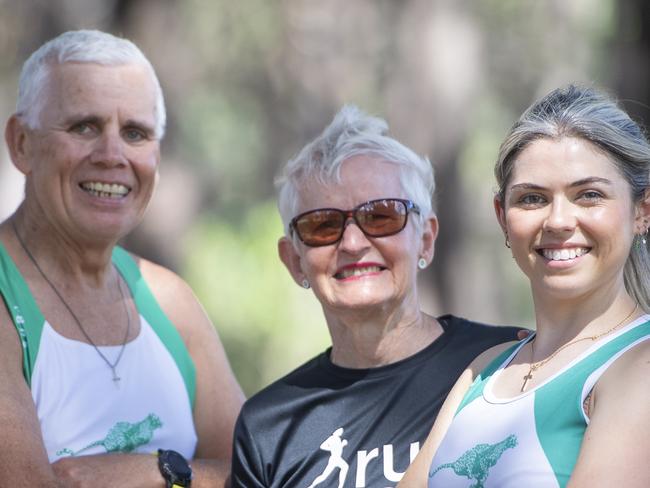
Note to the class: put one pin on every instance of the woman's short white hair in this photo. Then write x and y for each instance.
(80, 46)
(353, 133)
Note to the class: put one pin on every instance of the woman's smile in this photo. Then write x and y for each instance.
(357, 271)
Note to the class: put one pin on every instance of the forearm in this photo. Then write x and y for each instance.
(210, 473)
(134, 471)
(110, 470)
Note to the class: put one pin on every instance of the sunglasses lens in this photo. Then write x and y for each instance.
(320, 227)
(382, 217)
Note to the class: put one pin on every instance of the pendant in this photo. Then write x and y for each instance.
(529, 376)
(115, 378)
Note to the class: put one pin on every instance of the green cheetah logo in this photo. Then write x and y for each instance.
(123, 436)
(475, 463)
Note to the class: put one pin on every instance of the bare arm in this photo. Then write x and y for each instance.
(133, 471)
(416, 475)
(217, 403)
(615, 448)
(23, 460)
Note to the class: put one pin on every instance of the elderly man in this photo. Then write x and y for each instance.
(101, 351)
(359, 226)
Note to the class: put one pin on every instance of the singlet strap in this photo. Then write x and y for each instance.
(160, 323)
(24, 311)
(476, 389)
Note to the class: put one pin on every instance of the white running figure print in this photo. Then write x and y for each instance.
(334, 444)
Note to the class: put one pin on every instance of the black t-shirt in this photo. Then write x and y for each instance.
(327, 426)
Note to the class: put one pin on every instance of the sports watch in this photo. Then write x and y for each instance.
(174, 468)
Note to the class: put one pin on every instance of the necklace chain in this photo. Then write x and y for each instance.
(535, 366)
(112, 365)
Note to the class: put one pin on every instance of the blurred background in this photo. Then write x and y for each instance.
(249, 82)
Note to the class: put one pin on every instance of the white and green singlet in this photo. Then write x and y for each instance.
(81, 409)
(532, 440)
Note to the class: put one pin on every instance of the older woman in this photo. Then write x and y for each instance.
(571, 405)
(100, 351)
(359, 226)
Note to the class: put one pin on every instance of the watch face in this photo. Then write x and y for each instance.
(175, 466)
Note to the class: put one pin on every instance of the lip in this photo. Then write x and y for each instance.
(353, 271)
(562, 255)
(94, 194)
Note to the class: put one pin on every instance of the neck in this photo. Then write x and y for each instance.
(562, 321)
(371, 341)
(58, 254)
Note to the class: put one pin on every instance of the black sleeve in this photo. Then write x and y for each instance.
(247, 466)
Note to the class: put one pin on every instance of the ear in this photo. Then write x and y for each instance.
(642, 214)
(291, 259)
(501, 214)
(16, 137)
(429, 235)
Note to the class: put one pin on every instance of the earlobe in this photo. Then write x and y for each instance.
(291, 259)
(16, 139)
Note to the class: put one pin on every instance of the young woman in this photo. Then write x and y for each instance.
(569, 406)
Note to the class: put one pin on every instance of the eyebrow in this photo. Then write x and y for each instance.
(584, 181)
(82, 119)
(94, 119)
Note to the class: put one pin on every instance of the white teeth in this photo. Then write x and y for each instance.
(346, 273)
(105, 190)
(564, 254)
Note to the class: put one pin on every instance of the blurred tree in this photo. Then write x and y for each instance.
(630, 69)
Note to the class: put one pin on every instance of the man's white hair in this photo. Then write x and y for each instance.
(81, 46)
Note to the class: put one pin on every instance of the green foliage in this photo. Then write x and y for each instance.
(268, 324)
(227, 141)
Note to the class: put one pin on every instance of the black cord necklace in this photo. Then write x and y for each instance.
(112, 365)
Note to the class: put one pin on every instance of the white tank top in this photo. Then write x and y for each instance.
(83, 411)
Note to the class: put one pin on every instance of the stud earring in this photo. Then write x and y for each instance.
(422, 263)
(305, 284)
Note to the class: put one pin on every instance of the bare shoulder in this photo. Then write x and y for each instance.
(619, 417)
(175, 297)
(487, 356)
(164, 283)
(627, 374)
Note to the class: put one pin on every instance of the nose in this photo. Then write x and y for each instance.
(561, 217)
(109, 149)
(353, 239)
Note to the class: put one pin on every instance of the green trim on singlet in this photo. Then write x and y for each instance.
(160, 323)
(24, 311)
(560, 424)
(558, 411)
(29, 320)
(476, 389)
